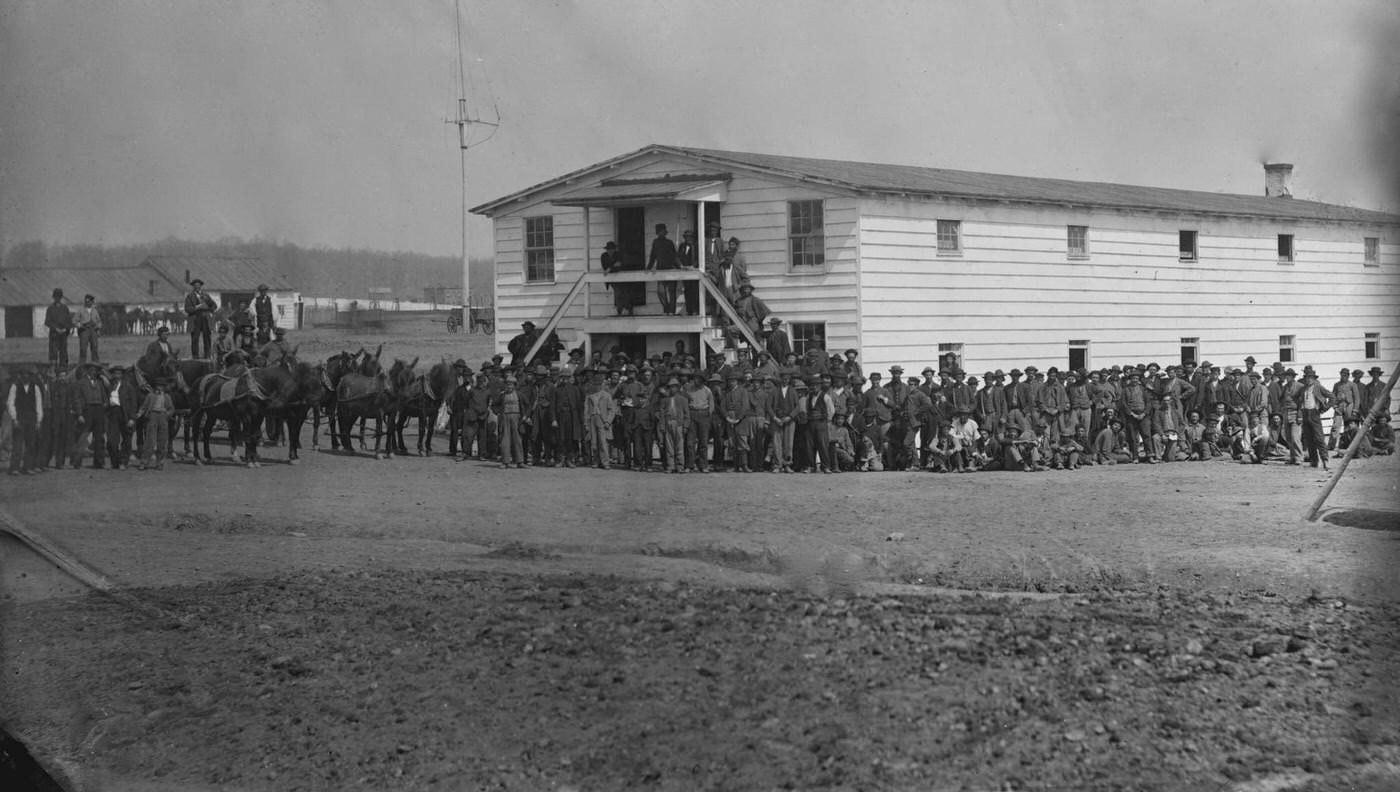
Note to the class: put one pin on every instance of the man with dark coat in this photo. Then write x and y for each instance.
(91, 397)
(262, 308)
(60, 415)
(25, 405)
(59, 320)
(1313, 401)
(777, 343)
(663, 257)
(519, 346)
(200, 307)
(567, 419)
(122, 405)
(687, 256)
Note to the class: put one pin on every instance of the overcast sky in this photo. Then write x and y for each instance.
(321, 123)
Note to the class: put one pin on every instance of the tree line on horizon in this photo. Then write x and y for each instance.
(338, 272)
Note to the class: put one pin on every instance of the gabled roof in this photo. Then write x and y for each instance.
(220, 273)
(110, 285)
(898, 180)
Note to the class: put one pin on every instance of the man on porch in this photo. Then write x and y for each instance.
(663, 257)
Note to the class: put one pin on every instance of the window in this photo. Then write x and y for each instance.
(1285, 349)
(950, 357)
(949, 237)
(1285, 248)
(1186, 245)
(806, 240)
(1190, 350)
(539, 249)
(1373, 251)
(1077, 242)
(808, 335)
(1373, 346)
(1078, 354)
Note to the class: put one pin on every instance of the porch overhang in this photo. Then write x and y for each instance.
(630, 192)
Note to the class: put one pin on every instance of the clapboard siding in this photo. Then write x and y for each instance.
(1013, 296)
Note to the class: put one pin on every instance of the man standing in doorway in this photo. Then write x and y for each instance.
(663, 257)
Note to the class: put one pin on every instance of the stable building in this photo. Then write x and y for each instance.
(231, 280)
(120, 294)
(915, 266)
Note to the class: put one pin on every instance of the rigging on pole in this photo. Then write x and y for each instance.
(469, 119)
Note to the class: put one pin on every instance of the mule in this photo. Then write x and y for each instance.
(253, 393)
(308, 389)
(361, 396)
(422, 397)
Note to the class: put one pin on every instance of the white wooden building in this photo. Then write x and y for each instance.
(907, 263)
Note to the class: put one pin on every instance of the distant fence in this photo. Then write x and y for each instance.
(347, 318)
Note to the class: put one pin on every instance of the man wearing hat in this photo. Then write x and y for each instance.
(60, 413)
(59, 320)
(877, 412)
(895, 445)
(91, 399)
(664, 257)
(752, 311)
(1289, 408)
(672, 415)
(262, 309)
(1376, 391)
(1345, 399)
(599, 410)
(123, 402)
(509, 408)
(89, 324)
(199, 308)
(728, 270)
(1135, 406)
(223, 344)
(567, 419)
(1313, 401)
(687, 258)
(519, 346)
(777, 342)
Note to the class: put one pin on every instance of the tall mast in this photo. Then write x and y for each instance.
(466, 118)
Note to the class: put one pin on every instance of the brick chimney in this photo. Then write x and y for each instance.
(1278, 180)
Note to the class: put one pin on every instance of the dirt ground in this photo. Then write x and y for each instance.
(429, 624)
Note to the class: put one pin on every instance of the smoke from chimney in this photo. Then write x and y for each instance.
(1278, 180)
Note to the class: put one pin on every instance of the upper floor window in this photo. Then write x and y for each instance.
(1285, 248)
(1372, 349)
(539, 249)
(949, 236)
(1077, 241)
(1186, 245)
(1373, 251)
(1286, 344)
(806, 236)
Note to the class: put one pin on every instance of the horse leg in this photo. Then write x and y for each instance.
(253, 422)
(378, 425)
(294, 424)
(425, 432)
(362, 436)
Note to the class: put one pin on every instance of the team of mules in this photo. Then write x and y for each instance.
(274, 401)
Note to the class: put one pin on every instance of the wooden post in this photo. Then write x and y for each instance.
(1375, 412)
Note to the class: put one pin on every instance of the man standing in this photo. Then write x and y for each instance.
(1314, 400)
(751, 310)
(61, 414)
(508, 408)
(738, 409)
(663, 257)
(1134, 405)
(199, 307)
(877, 409)
(777, 343)
(262, 308)
(673, 413)
(1346, 398)
(1376, 392)
(598, 414)
(92, 397)
(729, 270)
(122, 406)
(687, 257)
(25, 406)
(701, 403)
(59, 320)
(89, 324)
(819, 412)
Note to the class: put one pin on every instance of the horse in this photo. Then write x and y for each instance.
(361, 396)
(422, 397)
(309, 389)
(241, 405)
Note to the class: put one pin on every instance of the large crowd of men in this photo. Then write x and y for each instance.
(824, 414)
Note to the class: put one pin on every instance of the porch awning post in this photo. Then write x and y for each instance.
(587, 259)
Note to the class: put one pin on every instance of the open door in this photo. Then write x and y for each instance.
(632, 243)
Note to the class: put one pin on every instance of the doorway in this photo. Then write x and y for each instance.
(19, 321)
(634, 345)
(632, 244)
